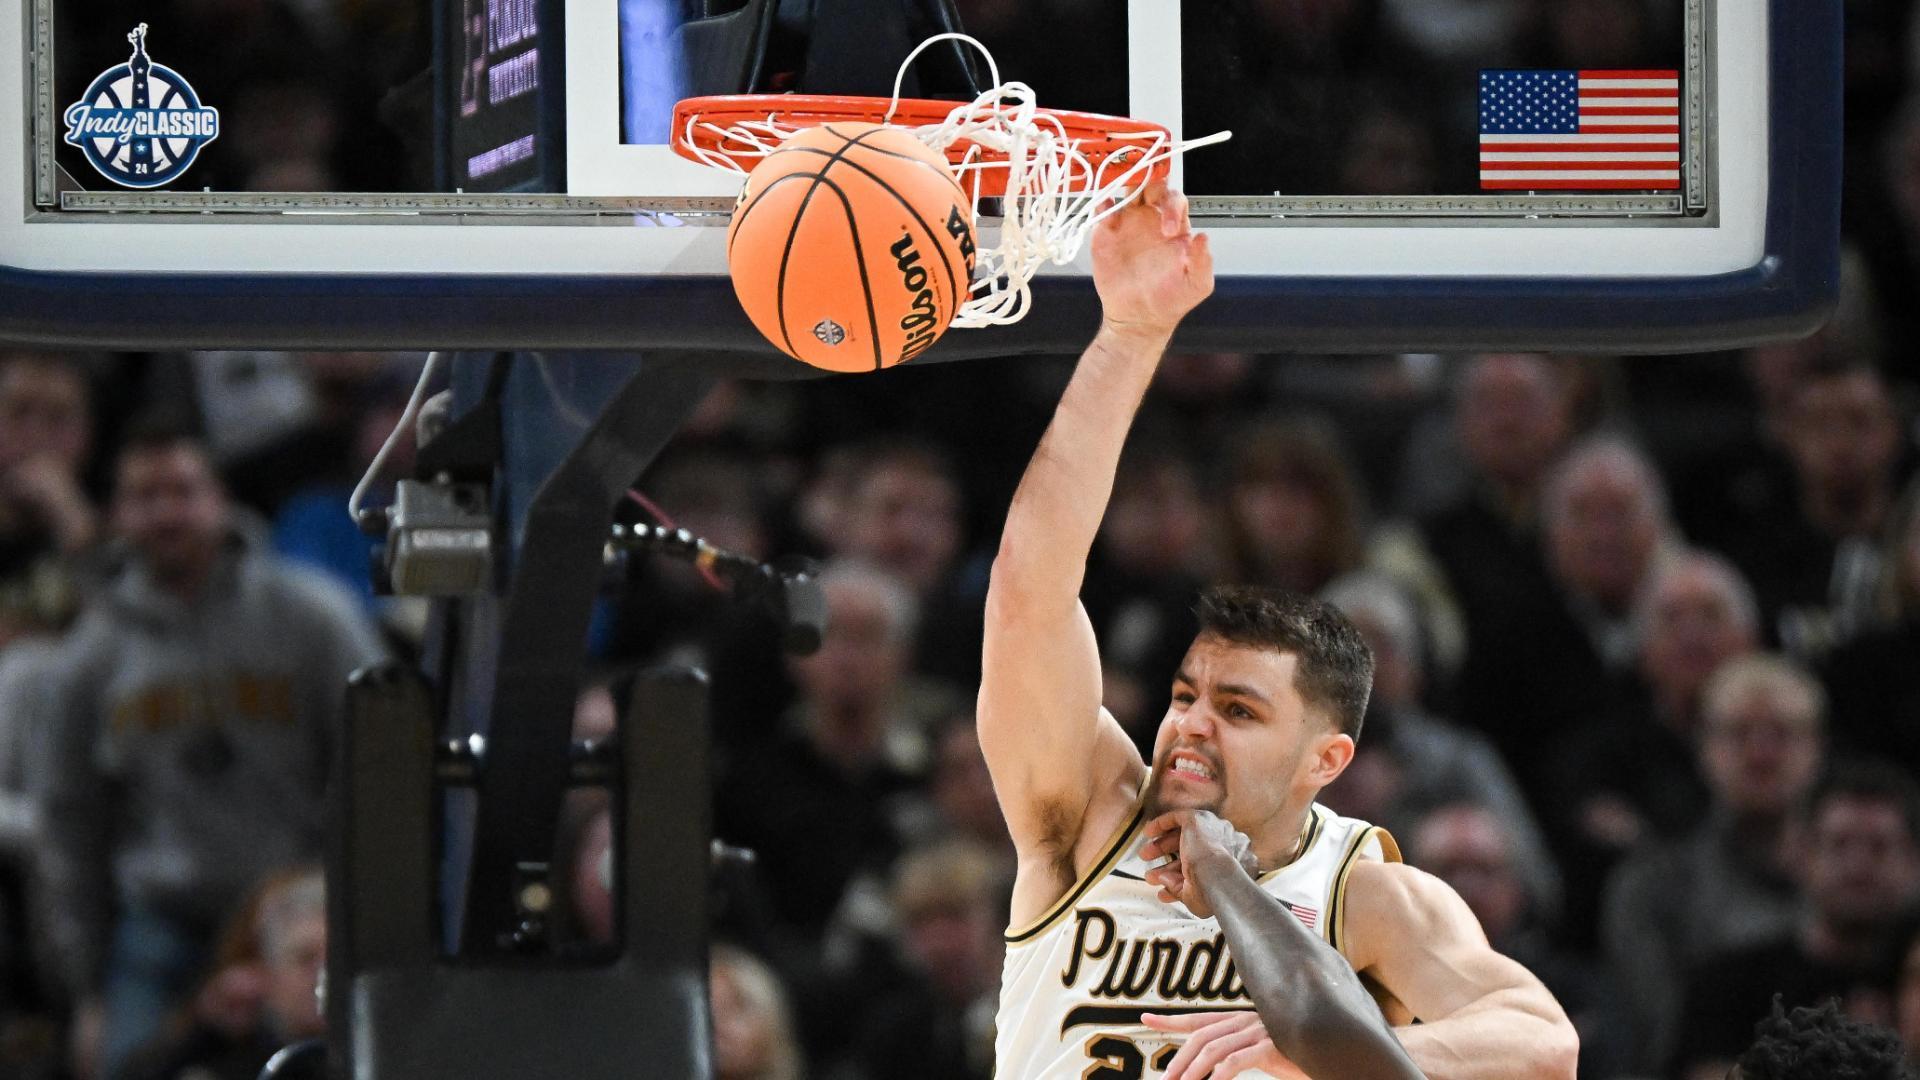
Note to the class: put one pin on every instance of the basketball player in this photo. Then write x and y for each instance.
(1264, 712)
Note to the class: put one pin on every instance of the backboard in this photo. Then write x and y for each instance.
(1626, 175)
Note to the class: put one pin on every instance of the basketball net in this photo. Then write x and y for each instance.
(1055, 192)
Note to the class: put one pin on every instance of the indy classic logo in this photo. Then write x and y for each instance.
(140, 124)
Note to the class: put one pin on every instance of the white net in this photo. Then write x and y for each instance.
(1056, 192)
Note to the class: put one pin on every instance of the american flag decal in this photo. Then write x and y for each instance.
(1307, 915)
(1579, 130)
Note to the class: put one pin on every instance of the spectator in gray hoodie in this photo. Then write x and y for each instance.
(191, 715)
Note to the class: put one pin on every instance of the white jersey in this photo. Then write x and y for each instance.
(1076, 980)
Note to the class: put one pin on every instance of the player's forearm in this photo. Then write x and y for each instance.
(1310, 1001)
(1057, 508)
(1508, 1035)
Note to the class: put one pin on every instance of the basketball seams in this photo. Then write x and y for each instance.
(740, 219)
(943, 171)
(946, 260)
(786, 256)
(859, 260)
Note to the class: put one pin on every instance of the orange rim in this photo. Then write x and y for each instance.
(698, 122)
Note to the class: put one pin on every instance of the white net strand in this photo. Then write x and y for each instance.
(1055, 192)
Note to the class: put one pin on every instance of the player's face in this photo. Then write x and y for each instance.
(1238, 739)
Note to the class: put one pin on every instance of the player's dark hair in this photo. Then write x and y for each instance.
(1821, 1043)
(1868, 779)
(1336, 667)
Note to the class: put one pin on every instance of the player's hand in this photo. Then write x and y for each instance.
(1199, 843)
(1224, 1045)
(1148, 265)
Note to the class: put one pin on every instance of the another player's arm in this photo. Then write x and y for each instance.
(1483, 1016)
(1051, 748)
(1313, 1011)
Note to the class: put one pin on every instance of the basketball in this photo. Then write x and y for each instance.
(851, 247)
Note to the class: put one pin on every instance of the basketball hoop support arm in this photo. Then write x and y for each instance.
(441, 965)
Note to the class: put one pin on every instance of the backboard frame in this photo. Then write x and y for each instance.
(1780, 283)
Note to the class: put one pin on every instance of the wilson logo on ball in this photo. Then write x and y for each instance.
(962, 233)
(920, 324)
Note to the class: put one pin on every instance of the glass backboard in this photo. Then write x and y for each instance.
(1626, 174)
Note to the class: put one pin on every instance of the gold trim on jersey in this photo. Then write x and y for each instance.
(1116, 849)
(1337, 898)
(1310, 834)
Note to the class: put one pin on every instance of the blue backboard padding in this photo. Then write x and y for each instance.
(1787, 293)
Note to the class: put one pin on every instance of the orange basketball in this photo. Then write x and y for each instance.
(851, 247)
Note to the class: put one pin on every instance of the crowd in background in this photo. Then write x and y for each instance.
(1647, 630)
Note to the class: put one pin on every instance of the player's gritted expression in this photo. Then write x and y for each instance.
(1239, 740)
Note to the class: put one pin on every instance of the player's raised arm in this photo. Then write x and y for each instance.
(1046, 739)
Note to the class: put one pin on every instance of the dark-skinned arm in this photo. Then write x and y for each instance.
(1316, 1019)
(1309, 998)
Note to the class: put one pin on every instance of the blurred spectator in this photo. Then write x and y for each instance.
(1738, 478)
(1813, 562)
(263, 993)
(1571, 663)
(1284, 75)
(1204, 394)
(1695, 615)
(1480, 553)
(961, 802)
(1295, 518)
(672, 612)
(1607, 526)
(752, 1026)
(950, 900)
(1599, 34)
(46, 517)
(1465, 33)
(1512, 415)
(1632, 774)
(1873, 680)
(1411, 762)
(903, 515)
(1860, 873)
(1471, 848)
(853, 745)
(1729, 883)
(26, 666)
(1143, 577)
(1389, 150)
(191, 720)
